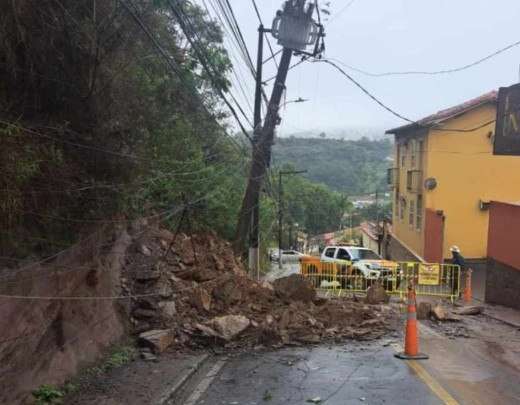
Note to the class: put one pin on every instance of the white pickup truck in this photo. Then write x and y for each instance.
(367, 266)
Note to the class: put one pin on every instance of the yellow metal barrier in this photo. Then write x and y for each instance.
(341, 276)
(432, 279)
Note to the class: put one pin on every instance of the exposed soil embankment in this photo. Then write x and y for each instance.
(46, 339)
(171, 291)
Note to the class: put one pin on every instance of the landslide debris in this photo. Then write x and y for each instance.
(195, 293)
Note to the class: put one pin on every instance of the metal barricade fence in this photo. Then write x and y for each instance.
(430, 279)
(341, 276)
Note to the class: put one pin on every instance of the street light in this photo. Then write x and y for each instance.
(296, 100)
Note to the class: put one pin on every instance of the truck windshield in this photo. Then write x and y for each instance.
(363, 254)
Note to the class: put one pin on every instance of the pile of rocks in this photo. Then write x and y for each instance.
(193, 292)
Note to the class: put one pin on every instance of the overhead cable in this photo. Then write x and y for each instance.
(431, 72)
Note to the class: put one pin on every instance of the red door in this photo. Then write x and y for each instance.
(433, 236)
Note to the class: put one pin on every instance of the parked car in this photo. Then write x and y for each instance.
(366, 266)
(287, 256)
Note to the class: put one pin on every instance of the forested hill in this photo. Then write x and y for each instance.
(354, 167)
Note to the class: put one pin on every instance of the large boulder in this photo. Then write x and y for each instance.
(376, 294)
(158, 339)
(229, 326)
(439, 312)
(294, 288)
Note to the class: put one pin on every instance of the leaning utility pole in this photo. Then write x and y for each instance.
(295, 30)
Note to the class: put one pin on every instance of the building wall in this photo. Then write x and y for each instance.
(503, 270)
(502, 284)
(467, 172)
(368, 242)
(409, 234)
(393, 249)
(504, 234)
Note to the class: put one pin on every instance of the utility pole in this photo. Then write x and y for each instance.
(280, 210)
(254, 233)
(295, 30)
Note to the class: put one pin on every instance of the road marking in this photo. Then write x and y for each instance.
(204, 384)
(428, 379)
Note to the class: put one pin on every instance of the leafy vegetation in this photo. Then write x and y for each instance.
(119, 356)
(95, 123)
(353, 167)
(48, 394)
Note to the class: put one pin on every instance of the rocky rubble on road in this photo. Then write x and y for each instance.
(196, 293)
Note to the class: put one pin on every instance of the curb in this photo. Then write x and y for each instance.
(182, 381)
(512, 324)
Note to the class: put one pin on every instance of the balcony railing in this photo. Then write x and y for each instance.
(392, 177)
(414, 180)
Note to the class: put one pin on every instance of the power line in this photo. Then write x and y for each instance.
(273, 55)
(76, 298)
(228, 14)
(303, 59)
(341, 11)
(418, 123)
(278, 52)
(236, 53)
(234, 40)
(185, 25)
(364, 90)
(434, 72)
(175, 68)
(89, 147)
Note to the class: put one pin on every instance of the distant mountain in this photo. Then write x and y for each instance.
(350, 166)
(351, 133)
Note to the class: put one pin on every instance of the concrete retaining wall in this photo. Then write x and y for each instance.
(502, 284)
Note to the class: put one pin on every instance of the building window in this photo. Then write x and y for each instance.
(420, 153)
(418, 221)
(403, 155)
(402, 208)
(411, 214)
(412, 154)
(396, 204)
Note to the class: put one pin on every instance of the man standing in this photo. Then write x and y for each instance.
(459, 260)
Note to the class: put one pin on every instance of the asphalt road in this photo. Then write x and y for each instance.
(476, 361)
(474, 370)
(346, 374)
(286, 270)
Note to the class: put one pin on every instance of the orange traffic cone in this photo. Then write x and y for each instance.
(468, 294)
(411, 341)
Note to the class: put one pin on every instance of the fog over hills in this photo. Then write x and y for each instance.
(346, 133)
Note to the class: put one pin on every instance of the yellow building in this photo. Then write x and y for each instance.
(445, 174)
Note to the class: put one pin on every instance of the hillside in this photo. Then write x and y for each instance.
(353, 167)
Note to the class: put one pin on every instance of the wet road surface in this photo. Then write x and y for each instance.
(346, 374)
(479, 364)
(459, 371)
(286, 270)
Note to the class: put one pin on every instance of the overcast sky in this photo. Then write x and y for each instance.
(393, 35)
